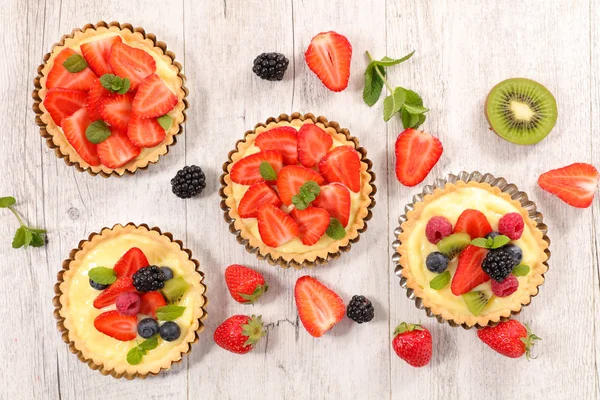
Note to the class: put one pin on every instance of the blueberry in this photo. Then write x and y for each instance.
(516, 252)
(492, 235)
(169, 331)
(437, 262)
(168, 272)
(98, 286)
(147, 328)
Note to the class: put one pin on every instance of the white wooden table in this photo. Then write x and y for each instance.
(463, 49)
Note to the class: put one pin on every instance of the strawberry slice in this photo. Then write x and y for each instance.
(469, 273)
(117, 150)
(328, 56)
(109, 296)
(74, 128)
(61, 103)
(153, 98)
(474, 223)
(319, 307)
(145, 132)
(335, 199)
(97, 53)
(312, 224)
(247, 170)
(342, 164)
(313, 144)
(257, 195)
(281, 139)
(275, 226)
(417, 153)
(150, 302)
(94, 97)
(116, 110)
(131, 262)
(291, 178)
(132, 63)
(60, 77)
(574, 184)
(116, 325)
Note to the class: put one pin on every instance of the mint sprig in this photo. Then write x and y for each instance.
(135, 355)
(267, 172)
(521, 270)
(491, 243)
(97, 132)
(102, 275)
(335, 230)
(307, 194)
(25, 236)
(440, 281)
(165, 121)
(169, 313)
(115, 83)
(75, 63)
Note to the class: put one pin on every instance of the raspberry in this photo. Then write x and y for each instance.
(505, 288)
(437, 229)
(128, 304)
(511, 225)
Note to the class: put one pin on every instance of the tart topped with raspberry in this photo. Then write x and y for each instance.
(110, 99)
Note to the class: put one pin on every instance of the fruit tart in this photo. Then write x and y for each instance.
(297, 190)
(472, 250)
(109, 98)
(130, 301)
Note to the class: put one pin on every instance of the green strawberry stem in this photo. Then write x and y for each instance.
(253, 330)
(406, 327)
(529, 342)
(391, 89)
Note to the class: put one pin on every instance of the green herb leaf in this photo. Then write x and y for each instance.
(134, 356)
(413, 98)
(480, 242)
(97, 132)
(169, 313)
(335, 230)
(373, 84)
(22, 237)
(102, 275)
(440, 281)
(415, 109)
(115, 83)
(6, 202)
(165, 121)
(149, 344)
(521, 270)
(499, 241)
(393, 103)
(37, 239)
(388, 62)
(75, 63)
(307, 194)
(422, 118)
(408, 120)
(267, 171)
(37, 230)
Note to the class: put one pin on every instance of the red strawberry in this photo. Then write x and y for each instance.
(574, 184)
(74, 128)
(312, 224)
(313, 144)
(150, 302)
(95, 95)
(328, 56)
(510, 338)
(474, 223)
(116, 325)
(61, 103)
(413, 344)
(281, 139)
(247, 170)
(117, 150)
(416, 154)
(469, 273)
(97, 53)
(319, 308)
(239, 333)
(132, 63)
(131, 262)
(342, 164)
(335, 198)
(145, 132)
(255, 196)
(109, 296)
(245, 285)
(115, 109)
(61, 78)
(291, 178)
(275, 226)
(153, 98)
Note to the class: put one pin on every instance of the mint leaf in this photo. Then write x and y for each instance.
(499, 241)
(480, 242)
(373, 84)
(267, 171)
(102, 275)
(408, 120)
(37, 240)
(75, 63)
(393, 103)
(388, 62)
(6, 202)
(440, 281)
(149, 344)
(335, 230)
(169, 313)
(115, 83)
(165, 121)
(22, 237)
(413, 98)
(415, 109)
(521, 270)
(307, 194)
(134, 356)
(97, 132)
(422, 118)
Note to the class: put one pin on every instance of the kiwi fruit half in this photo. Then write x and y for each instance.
(451, 246)
(476, 301)
(521, 111)
(174, 288)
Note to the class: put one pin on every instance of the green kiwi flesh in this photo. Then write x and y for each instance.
(521, 111)
(174, 288)
(476, 301)
(451, 246)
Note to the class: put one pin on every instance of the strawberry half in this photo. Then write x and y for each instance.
(335, 199)
(275, 226)
(574, 184)
(328, 56)
(109, 296)
(59, 77)
(153, 98)
(474, 223)
(313, 144)
(291, 178)
(132, 63)
(469, 273)
(117, 150)
(116, 325)
(257, 195)
(131, 262)
(247, 170)
(97, 53)
(319, 308)
(342, 164)
(115, 109)
(95, 95)
(61, 103)
(417, 153)
(74, 128)
(281, 139)
(150, 302)
(145, 132)
(312, 224)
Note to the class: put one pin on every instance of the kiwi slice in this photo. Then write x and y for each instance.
(174, 288)
(452, 245)
(476, 301)
(521, 111)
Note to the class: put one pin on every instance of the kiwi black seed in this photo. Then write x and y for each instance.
(476, 301)
(521, 111)
(453, 245)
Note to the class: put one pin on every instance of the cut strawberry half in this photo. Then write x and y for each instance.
(257, 195)
(115, 109)
(132, 63)
(275, 226)
(291, 178)
(328, 56)
(469, 273)
(95, 95)
(109, 296)
(97, 53)
(117, 150)
(319, 307)
(474, 223)
(335, 199)
(312, 224)
(150, 302)
(59, 77)
(342, 164)
(313, 144)
(574, 184)
(145, 132)
(153, 98)
(281, 139)
(247, 170)
(74, 128)
(131, 262)
(116, 325)
(61, 103)
(417, 153)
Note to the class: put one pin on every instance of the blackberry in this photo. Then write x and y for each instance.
(498, 264)
(149, 279)
(188, 182)
(360, 309)
(270, 66)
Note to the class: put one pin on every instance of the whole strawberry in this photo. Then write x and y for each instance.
(245, 284)
(412, 343)
(239, 333)
(511, 338)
